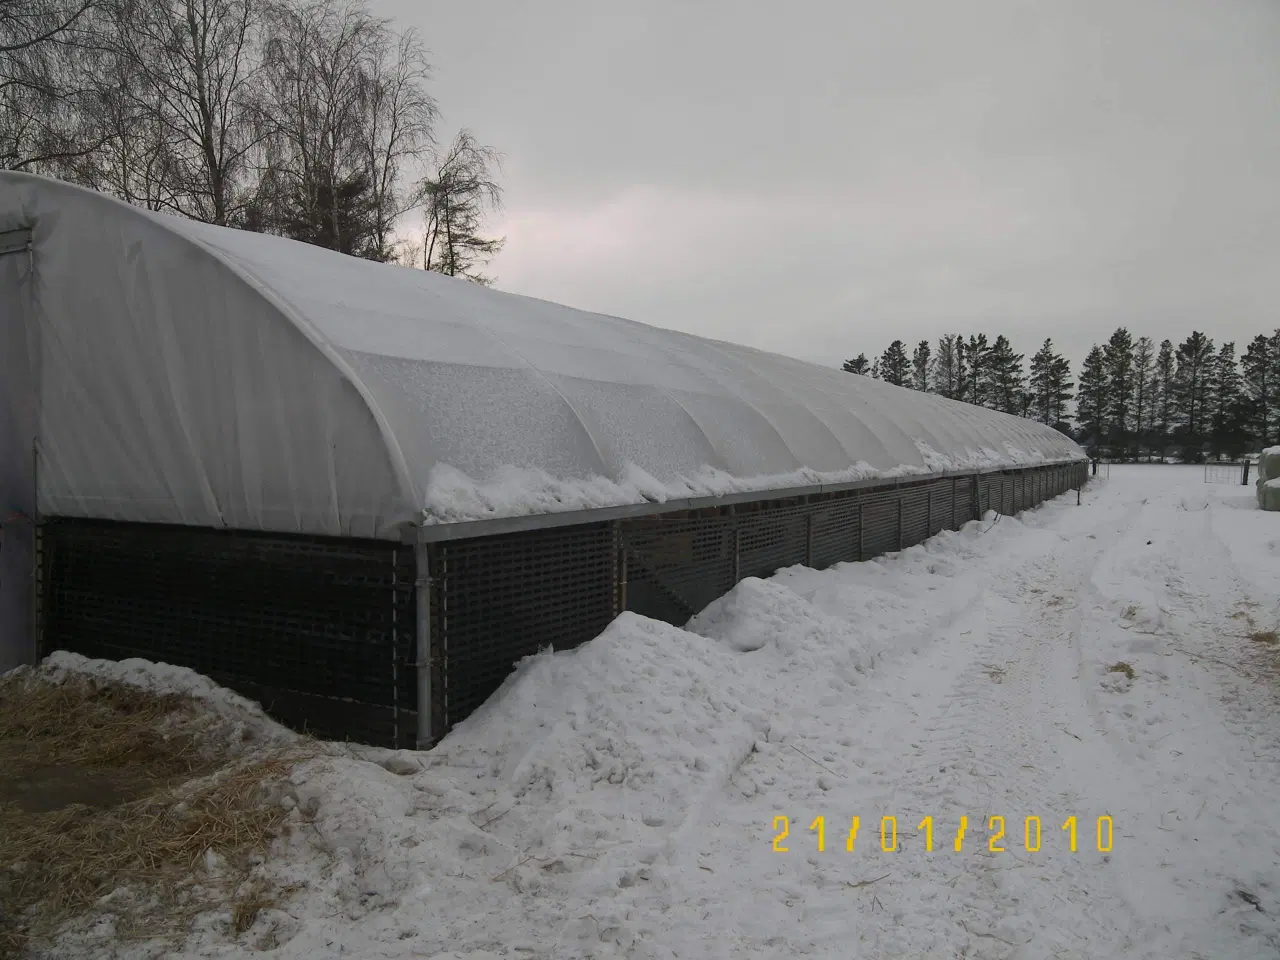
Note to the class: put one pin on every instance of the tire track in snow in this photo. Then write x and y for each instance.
(1014, 698)
(942, 740)
(1199, 827)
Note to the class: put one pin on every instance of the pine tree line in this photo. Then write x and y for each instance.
(1134, 399)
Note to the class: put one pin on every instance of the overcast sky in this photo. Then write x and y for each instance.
(819, 178)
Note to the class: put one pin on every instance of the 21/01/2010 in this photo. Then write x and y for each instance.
(1032, 834)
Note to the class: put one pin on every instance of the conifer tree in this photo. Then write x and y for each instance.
(1050, 386)
(1091, 398)
(1117, 355)
(1004, 377)
(1259, 389)
(976, 352)
(1143, 383)
(921, 367)
(1192, 379)
(1227, 412)
(895, 368)
(1164, 395)
(858, 364)
(947, 367)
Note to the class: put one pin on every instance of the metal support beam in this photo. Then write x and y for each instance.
(422, 584)
(622, 572)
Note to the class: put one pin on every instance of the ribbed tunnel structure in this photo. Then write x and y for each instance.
(353, 490)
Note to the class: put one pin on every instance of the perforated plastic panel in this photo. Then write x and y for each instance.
(879, 523)
(503, 598)
(771, 539)
(321, 631)
(915, 514)
(676, 565)
(836, 533)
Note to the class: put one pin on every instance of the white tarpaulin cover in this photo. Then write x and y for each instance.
(199, 375)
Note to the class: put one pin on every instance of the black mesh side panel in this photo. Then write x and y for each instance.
(988, 494)
(320, 631)
(769, 540)
(963, 502)
(505, 597)
(500, 598)
(675, 566)
(880, 516)
(939, 506)
(835, 532)
(915, 514)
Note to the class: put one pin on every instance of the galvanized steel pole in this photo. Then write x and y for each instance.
(422, 585)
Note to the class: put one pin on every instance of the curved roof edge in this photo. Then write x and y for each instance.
(179, 401)
(399, 464)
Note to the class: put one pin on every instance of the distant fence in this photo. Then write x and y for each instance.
(1227, 473)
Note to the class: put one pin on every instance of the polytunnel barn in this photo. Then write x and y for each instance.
(359, 493)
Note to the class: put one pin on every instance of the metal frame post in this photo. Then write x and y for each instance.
(622, 578)
(422, 585)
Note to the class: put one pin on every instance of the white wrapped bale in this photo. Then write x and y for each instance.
(1268, 484)
(1269, 494)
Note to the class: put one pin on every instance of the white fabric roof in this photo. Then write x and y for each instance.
(200, 375)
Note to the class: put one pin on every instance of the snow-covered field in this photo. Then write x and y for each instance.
(621, 800)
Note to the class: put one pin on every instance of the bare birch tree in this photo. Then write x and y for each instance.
(399, 118)
(189, 69)
(345, 111)
(46, 110)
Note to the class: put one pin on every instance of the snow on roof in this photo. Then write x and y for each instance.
(197, 374)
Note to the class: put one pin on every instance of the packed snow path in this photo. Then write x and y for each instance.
(620, 800)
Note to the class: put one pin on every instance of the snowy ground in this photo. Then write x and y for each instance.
(620, 800)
